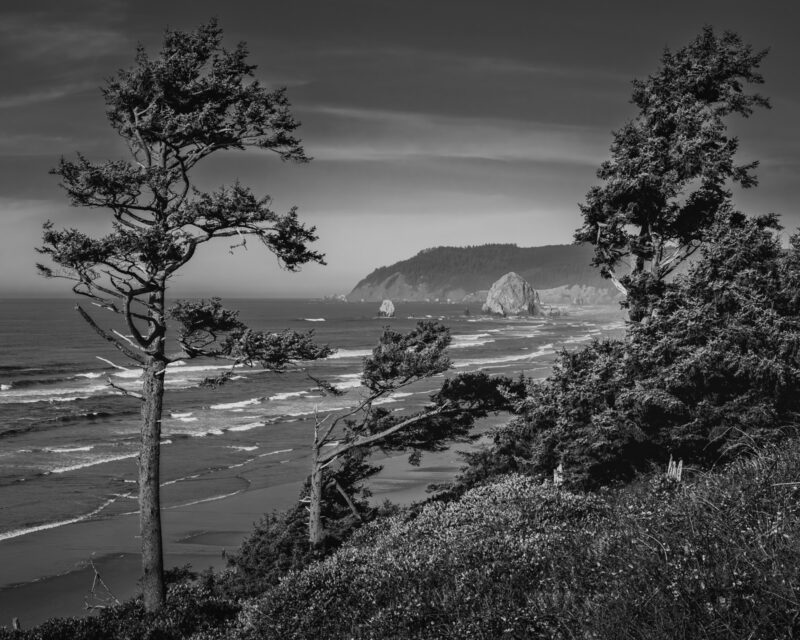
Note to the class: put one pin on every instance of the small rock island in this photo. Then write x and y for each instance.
(386, 310)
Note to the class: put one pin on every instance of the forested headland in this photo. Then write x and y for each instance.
(456, 273)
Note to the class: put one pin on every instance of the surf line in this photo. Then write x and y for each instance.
(16, 533)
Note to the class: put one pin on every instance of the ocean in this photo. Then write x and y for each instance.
(68, 440)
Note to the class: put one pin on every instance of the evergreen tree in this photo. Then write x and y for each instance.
(671, 166)
(343, 443)
(194, 99)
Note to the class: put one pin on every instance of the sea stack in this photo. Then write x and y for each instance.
(511, 295)
(386, 310)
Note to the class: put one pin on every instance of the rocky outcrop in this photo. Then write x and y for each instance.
(511, 295)
(386, 310)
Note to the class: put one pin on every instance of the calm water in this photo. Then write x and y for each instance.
(68, 441)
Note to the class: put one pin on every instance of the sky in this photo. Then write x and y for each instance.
(437, 122)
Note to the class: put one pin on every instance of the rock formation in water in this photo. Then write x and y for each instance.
(386, 310)
(511, 295)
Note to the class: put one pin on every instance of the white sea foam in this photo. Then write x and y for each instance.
(187, 419)
(92, 463)
(471, 340)
(395, 397)
(288, 394)
(237, 405)
(52, 525)
(90, 374)
(348, 384)
(272, 453)
(311, 412)
(544, 350)
(68, 449)
(28, 396)
(202, 500)
(181, 479)
(5, 387)
(236, 448)
(128, 374)
(174, 414)
(44, 394)
(175, 368)
(350, 353)
(247, 427)
(314, 319)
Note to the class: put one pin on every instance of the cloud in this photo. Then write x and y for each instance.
(381, 135)
(32, 144)
(38, 97)
(31, 36)
(469, 63)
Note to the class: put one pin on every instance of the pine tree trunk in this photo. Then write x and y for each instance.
(149, 486)
(315, 530)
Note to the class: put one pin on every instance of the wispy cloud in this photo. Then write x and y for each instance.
(31, 36)
(37, 97)
(32, 144)
(379, 135)
(471, 63)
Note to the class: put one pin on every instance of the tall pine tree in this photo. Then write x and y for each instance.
(194, 99)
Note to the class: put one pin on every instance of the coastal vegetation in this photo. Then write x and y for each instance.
(193, 100)
(342, 447)
(712, 556)
(668, 177)
(566, 525)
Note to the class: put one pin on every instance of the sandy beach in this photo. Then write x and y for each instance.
(197, 534)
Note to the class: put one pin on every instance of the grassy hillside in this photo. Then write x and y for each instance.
(714, 557)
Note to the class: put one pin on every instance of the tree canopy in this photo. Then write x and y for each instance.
(669, 175)
(715, 371)
(194, 99)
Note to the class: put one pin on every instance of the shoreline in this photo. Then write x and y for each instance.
(48, 574)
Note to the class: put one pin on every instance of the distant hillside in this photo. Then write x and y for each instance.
(461, 273)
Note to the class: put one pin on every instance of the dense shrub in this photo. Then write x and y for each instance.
(189, 609)
(716, 368)
(715, 559)
(279, 543)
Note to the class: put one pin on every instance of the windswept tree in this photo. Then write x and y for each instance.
(194, 99)
(343, 443)
(671, 167)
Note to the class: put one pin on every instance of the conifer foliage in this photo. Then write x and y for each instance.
(671, 167)
(713, 373)
(192, 100)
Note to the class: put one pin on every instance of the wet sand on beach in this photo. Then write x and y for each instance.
(197, 534)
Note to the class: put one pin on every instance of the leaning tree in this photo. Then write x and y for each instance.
(671, 167)
(343, 443)
(195, 98)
